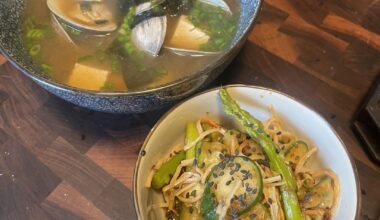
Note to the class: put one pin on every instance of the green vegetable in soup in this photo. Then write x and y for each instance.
(107, 86)
(255, 129)
(35, 50)
(125, 32)
(34, 35)
(46, 68)
(215, 22)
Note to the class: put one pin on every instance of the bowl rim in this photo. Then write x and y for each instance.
(163, 117)
(207, 68)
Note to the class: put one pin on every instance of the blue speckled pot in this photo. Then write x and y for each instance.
(126, 102)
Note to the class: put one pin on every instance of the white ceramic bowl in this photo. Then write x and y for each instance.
(304, 122)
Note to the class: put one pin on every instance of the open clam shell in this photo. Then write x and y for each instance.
(149, 35)
(85, 15)
(218, 3)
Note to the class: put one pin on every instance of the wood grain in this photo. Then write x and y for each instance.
(60, 161)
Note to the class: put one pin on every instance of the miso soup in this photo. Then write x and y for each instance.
(120, 45)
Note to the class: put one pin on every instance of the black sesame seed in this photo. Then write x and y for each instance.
(244, 171)
(278, 133)
(228, 182)
(254, 191)
(216, 186)
(221, 173)
(252, 216)
(222, 165)
(270, 201)
(221, 156)
(214, 175)
(191, 210)
(209, 151)
(232, 172)
(199, 151)
(194, 193)
(203, 164)
(187, 195)
(230, 164)
(307, 196)
(237, 167)
(254, 149)
(143, 152)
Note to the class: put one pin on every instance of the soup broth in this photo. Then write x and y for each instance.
(112, 60)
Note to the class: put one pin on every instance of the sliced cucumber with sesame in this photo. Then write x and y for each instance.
(210, 152)
(235, 183)
(296, 151)
(259, 212)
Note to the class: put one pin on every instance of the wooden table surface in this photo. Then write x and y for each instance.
(59, 161)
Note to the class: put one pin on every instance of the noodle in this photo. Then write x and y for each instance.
(187, 186)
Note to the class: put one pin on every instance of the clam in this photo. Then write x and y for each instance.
(149, 34)
(60, 29)
(85, 15)
(218, 3)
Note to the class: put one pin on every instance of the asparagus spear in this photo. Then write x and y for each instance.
(191, 135)
(163, 175)
(255, 129)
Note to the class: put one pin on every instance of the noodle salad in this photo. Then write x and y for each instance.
(258, 173)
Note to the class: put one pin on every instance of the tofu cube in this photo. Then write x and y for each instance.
(86, 77)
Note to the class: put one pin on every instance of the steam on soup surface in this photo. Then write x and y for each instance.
(119, 45)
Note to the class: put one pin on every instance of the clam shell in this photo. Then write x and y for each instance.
(60, 30)
(79, 20)
(149, 35)
(218, 3)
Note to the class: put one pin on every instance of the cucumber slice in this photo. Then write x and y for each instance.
(222, 180)
(295, 151)
(210, 152)
(253, 150)
(321, 195)
(259, 212)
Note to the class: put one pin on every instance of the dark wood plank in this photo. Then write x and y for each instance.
(76, 169)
